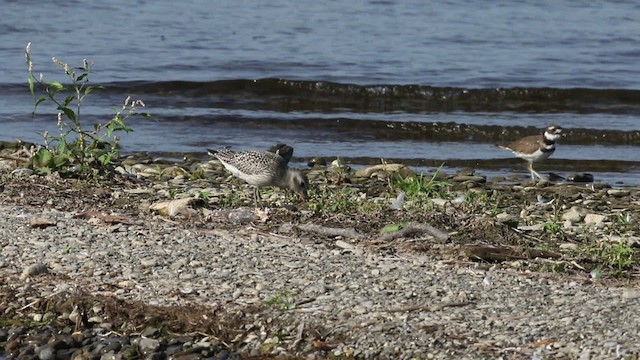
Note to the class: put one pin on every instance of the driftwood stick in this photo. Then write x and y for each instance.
(415, 228)
(329, 231)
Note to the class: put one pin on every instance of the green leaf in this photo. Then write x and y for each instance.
(68, 113)
(68, 100)
(40, 100)
(63, 147)
(105, 159)
(42, 158)
(88, 90)
(31, 85)
(391, 228)
(81, 77)
(56, 85)
(45, 170)
(60, 160)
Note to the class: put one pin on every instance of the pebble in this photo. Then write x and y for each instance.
(595, 219)
(574, 215)
(35, 269)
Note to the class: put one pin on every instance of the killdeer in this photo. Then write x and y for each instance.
(263, 168)
(536, 147)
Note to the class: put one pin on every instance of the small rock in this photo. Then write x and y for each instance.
(471, 178)
(574, 215)
(580, 178)
(439, 202)
(630, 294)
(569, 246)
(173, 207)
(148, 346)
(95, 319)
(595, 219)
(466, 172)
(126, 284)
(35, 269)
(567, 225)
(150, 331)
(400, 169)
(344, 245)
(45, 352)
(504, 217)
(535, 227)
(618, 192)
(149, 262)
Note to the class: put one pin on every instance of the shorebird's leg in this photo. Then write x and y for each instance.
(533, 172)
(256, 197)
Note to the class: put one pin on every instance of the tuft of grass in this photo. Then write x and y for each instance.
(623, 222)
(341, 200)
(621, 259)
(81, 149)
(203, 195)
(282, 300)
(554, 228)
(422, 187)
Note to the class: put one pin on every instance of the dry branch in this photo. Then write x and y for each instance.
(330, 231)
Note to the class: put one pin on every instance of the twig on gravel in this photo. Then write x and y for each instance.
(330, 231)
(299, 335)
(431, 307)
(305, 301)
(415, 228)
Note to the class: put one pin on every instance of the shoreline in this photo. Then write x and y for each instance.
(262, 284)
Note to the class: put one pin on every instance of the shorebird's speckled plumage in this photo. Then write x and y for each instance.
(263, 168)
(536, 147)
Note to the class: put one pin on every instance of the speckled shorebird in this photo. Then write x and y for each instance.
(536, 147)
(263, 168)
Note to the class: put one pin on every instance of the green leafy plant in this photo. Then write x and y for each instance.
(341, 200)
(419, 186)
(554, 228)
(203, 195)
(78, 148)
(619, 258)
(173, 192)
(623, 222)
(282, 300)
(391, 228)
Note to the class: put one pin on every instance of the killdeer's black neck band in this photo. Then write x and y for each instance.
(548, 141)
(545, 149)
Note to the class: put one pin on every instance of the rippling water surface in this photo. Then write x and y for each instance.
(418, 82)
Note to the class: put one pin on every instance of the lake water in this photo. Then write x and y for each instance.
(423, 83)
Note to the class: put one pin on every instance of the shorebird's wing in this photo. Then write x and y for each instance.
(253, 162)
(527, 144)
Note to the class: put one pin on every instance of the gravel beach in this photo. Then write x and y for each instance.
(91, 272)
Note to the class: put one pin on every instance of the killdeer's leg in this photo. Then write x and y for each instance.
(533, 172)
